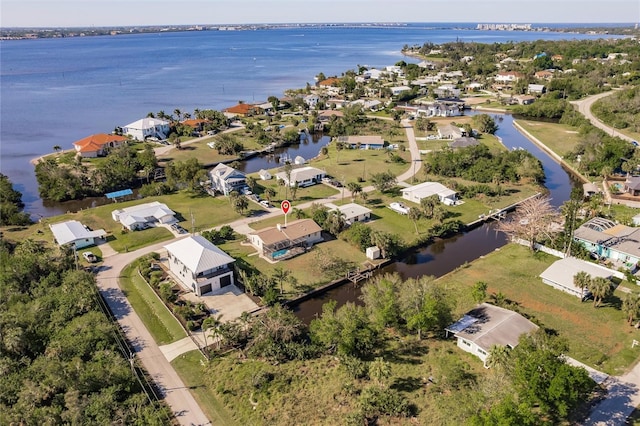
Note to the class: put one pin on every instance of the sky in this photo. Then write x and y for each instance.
(86, 13)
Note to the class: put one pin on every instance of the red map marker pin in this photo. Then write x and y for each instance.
(285, 206)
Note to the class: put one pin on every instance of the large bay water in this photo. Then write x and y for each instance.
(57, 91)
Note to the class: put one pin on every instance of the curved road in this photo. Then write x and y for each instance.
(175, 393)
(584, 106)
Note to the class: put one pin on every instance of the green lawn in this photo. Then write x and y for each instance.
(189, 367)
(560, 138)
(302, 267)
(599, 337)
(156, 316)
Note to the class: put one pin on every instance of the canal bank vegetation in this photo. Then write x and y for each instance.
(388, 360)
(63, 360)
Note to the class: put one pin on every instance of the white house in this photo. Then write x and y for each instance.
(74, 232)
(147, 127)
(142, 215)
(352, 212)
(264, 174)
(225, 179)
(487, 326)
(199, 265)
(450, 131)
(535, 89)
(447, 91)
(416, 193)
(283, 242)
(395, 91)
(368, 104)
(311, 100)
(303, 177)
(561, 273)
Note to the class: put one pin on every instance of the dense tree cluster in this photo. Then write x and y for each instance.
(62, 359)
(11, 204)
(59, 181)
(479, 164)
(620, 110)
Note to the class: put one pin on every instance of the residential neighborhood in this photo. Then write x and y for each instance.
(272, 262)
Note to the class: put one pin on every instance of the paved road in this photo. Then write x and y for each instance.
(584, 106)
(147, 351)
(623, 392)
(176, 394)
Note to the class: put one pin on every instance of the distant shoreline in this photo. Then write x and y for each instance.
(35, 33)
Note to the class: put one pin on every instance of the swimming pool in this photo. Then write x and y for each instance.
(279, 253)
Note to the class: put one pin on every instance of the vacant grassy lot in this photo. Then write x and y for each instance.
(190, 368)
(560, 138)
(159, 321)
(599, 337)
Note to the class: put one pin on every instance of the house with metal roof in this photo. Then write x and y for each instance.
(303, 176)
(146, 128)
(561, 273)
(416, 193)
(610, 241)
(199, 265)
(486, 326)
(284, 242)
(351, 212)
(225, 179)
(143, 215)
(74, 232)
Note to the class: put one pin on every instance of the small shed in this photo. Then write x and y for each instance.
(264, 174)
(373, 253)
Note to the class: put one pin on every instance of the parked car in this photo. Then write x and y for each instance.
(266, 204)
(89, 257)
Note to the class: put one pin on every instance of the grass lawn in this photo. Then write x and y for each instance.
(302, 267)
(303, 195)
(560, 138)
(156, 317)
(599, 337)
(208, 212)
(189, 367)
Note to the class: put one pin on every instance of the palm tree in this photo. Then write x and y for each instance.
(498, 357)
(600, 288)
(269, 193)
(57, 148)
(582, 281)
(414, 216)
(177, 113)
(281, 275)
(355, 189)
(631, 306)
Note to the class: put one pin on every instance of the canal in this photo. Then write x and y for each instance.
(446, 255)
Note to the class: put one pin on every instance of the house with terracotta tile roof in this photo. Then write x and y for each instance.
(329, 82)
(241, 110)
(196, 124)
(98, 145)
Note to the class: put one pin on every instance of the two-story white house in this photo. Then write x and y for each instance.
(147, 128)
(225, 179)
(199, 265)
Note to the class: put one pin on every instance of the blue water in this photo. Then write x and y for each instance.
(57, 91)
(279, 253)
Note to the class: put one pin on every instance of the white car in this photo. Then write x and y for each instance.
(266, 204)
(89, 257)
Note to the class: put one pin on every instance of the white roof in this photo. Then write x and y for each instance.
(140, 212)
(426, 189)
(198, 254)
(301, 174)
(147, 123)
(350, 210)
(562, 271)
(72, 230)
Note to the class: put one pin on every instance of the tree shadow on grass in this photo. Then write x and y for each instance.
(407, 384)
